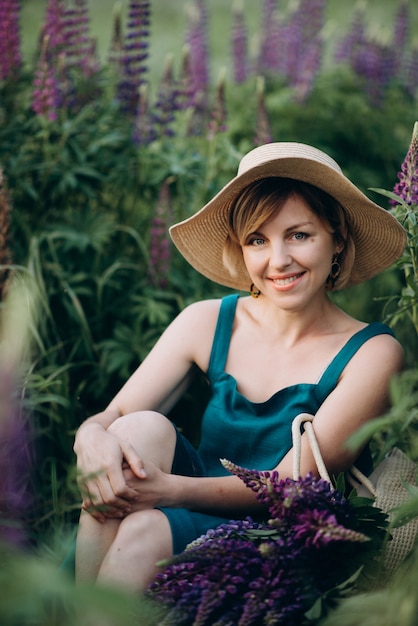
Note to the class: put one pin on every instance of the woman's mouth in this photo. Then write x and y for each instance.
(282, 282)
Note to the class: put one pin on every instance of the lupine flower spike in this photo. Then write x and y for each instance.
(262, 125)
(5, 254)
(16, 498)
(160, 245)
(268, 57)
(53, 27)
(217, 120)
(197, 40)
(46, 97)
(407, 186)
(239, 43)
(10, 56)
(248, 573)
(144, 131)
(135, 53)
(79, 46)
(166, 104)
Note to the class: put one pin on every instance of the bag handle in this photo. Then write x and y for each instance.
(354, 476)
(306, 419)
(357, 479)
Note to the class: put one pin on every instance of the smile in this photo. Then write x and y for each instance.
(286, 281)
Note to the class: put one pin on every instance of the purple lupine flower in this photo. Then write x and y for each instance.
(400, 35)
(5, 251)
(268, 48)
(354, 39)
(143, 132)
(10, 56)
(262, 123)
(46, 97)
(304, 46)
(228, 579)
(411, 72)
(217, 114)
(16, 458)
(308, 68)
(374, 63)
(135, 53)
(287, 499)
(80, 48)
(292, 41)
(197, 40)
(15, 467)
(248, 573)
(239, 44)
(407, 186)
(167, 101)
(185, 81)
(160, 244)
(53, 27)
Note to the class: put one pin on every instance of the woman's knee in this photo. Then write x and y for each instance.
(151, 434)
(145, 532)
(145, 421)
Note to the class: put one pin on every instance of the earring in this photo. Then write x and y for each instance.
(255, 293)
(334, 273)
(335, 268)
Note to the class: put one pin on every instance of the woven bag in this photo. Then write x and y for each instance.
(385, 485)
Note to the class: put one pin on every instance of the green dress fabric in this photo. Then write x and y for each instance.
(253, 435)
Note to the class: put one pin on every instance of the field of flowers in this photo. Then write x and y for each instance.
(100, 151)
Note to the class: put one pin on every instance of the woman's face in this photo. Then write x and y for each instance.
(289, 257)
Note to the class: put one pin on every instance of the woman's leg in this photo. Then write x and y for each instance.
(93, 541)
(153, 437)
(143, 539)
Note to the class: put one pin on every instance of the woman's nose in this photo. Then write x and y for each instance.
(279, 255)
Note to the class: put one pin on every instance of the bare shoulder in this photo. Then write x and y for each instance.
(382, 353)
(201, 313)
(195, 328)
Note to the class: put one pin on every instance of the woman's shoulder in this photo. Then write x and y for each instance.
(197, 324)
(202, 310)
(381, 351)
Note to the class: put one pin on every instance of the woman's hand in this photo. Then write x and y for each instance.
(156, 489)
(100, 460)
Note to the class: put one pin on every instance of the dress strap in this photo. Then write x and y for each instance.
(222, 337)
(330, 377)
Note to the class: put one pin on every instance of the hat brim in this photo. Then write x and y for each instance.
(378, 237)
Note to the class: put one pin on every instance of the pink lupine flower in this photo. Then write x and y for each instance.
(407, 186)
(160, 245)
(10, 56)
(46, 94)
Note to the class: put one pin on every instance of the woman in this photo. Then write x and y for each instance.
(290, 227)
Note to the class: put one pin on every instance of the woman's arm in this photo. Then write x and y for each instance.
(156, 385)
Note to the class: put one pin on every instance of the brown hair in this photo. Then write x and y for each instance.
(258, 202)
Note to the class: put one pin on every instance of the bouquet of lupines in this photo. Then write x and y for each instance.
(278, 572)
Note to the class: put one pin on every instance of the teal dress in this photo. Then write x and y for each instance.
(255, 435)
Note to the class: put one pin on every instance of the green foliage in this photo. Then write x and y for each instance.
(45, 597)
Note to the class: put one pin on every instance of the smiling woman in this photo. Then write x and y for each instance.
(287, 350)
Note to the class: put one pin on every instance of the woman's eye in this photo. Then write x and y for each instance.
(255, 241)
(300, 236)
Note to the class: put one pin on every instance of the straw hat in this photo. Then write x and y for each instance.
(378, 237)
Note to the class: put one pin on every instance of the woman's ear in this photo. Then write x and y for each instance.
(339, 243)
